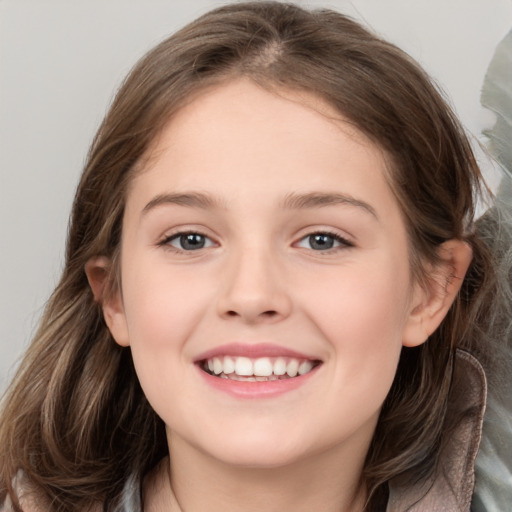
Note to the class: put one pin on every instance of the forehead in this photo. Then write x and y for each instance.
(239, 141)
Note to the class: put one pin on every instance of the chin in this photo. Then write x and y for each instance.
(255, 459)
(259, 451)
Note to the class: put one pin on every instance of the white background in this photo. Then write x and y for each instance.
(60, 63)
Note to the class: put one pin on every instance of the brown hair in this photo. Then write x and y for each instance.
(75, 419)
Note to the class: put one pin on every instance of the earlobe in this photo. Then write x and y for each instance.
(97, 270)
(430, 304)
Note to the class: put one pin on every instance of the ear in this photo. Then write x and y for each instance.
(430, 304)
(97, 270)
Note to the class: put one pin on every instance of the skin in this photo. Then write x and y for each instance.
(259, 280)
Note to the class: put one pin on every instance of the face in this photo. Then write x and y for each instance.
(266, 288)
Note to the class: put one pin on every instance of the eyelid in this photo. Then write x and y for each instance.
(181, 231)
(343, 241)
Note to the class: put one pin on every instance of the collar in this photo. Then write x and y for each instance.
(450, 487)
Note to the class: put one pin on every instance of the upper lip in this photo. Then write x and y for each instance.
(253, 351)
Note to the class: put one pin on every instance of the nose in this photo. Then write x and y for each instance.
(254, 289)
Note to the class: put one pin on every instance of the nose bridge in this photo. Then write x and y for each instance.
(254, 288)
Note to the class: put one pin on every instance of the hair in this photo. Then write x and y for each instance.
(75, 419)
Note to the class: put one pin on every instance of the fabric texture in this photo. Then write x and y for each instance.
(450, 488)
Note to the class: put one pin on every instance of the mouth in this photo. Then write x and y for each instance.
(261, 369)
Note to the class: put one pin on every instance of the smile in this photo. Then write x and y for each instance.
(256, 371)
(262, 369)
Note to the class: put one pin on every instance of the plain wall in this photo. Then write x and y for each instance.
(60, 63)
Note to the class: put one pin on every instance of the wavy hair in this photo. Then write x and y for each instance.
(75, 419)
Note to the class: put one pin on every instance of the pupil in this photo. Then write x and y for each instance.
(321, 242)
(192, 241)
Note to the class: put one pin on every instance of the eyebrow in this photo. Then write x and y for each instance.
(192, 200)
(295, 201)
(292, 201)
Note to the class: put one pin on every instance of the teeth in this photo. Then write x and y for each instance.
(260, 369)
(229, 365)
(305, 367)
(293, 368)
(243, 366)
(263, 367)
(280, 366)
(217, 366)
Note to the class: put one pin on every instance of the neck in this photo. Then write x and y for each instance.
(192, 481)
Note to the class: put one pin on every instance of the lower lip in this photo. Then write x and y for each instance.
(263, 389)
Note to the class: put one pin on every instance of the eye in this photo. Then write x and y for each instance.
(323, 241)
(190, 241)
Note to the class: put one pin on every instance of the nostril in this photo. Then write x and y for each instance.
(267, 314)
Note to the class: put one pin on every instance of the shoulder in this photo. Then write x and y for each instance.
(451, 485)
(29, 502)
(29, 499)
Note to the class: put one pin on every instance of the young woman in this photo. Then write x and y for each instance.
(274, 293)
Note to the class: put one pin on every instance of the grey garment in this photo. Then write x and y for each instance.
(450, 488)
(131, 500)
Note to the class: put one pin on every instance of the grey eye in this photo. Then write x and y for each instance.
(323, 242)
(189, 241)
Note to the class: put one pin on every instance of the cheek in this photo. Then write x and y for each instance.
(362, 313)
(162, 310)
(365, 303)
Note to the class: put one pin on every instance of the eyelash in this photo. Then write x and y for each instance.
(343, 242)
(166, 242)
